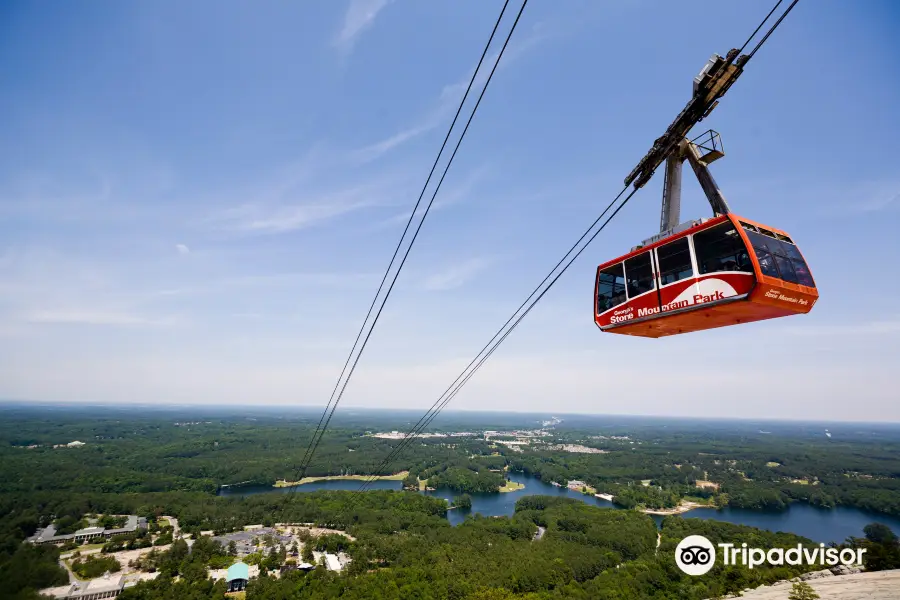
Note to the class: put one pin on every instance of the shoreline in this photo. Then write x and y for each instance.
(511, 486)
(680, 509)
(281, 483)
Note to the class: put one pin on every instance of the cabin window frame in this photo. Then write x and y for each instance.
(707, 256)
(690, 256)
(651, 277)
(624, 284)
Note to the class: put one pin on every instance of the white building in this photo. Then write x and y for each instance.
(96, 589)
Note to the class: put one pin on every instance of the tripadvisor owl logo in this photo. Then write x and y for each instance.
(695, 555)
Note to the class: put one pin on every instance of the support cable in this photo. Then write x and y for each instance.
(772, 29)
(336, 396)
(492, 345)
(502, 333)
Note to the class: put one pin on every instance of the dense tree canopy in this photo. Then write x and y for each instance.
(405, 548)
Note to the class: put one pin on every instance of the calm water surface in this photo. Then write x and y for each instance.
(818, 524)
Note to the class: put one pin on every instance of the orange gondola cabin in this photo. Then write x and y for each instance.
(716, 272)
(712, 273)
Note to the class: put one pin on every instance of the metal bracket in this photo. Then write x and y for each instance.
(700, 153)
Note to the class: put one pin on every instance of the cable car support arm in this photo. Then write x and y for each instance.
(673, 147)
(699, 155)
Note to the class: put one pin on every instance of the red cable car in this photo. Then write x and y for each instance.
(703, 274)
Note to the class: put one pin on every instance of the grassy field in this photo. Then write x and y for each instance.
(84, 547)
(512, 486)
(699, 500)
(395, 477)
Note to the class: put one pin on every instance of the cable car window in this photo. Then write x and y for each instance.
(764, 246)
(791, 266)
(784, 238)
(674, 261)
(786, 269)
(766, 263)
(747, 226)
(610, 288)
(762, 242)
(789, 250)
(639, 274)
(804, 277)
(721, 249)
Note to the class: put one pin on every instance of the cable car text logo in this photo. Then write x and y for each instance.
(676, 304)
(622, 315)
(773, 293)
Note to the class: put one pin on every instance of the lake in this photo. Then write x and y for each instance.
(818, 524)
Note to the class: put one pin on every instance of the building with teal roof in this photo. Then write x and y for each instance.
(236, 577)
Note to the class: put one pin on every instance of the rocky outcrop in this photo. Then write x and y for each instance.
(837, 583)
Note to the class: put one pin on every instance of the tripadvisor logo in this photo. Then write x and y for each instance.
(696, 555)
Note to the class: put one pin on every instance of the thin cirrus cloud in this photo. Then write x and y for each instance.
(360, 15)
(450, 96)
(457, 275)
(307, 207)
(95, 317)
(449, 195)
(299, 280)
(253, 218)
(880, 202)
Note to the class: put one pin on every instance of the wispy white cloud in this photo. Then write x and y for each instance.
(838, 199)
(76, 317)
(447, 197)
(300, 280)
(252, 218)
(463, 190)
(372, 152)
(111, 190)
(303, 208)
(359, 16)
(879, 201)
(450, 96)
(182, 249)
(456, 275)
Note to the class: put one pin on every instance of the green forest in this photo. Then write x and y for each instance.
(156, 465)
(154, 455)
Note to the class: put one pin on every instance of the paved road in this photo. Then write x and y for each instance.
(72, 578)
(174, 522)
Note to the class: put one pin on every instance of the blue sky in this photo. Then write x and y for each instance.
(197, 201)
